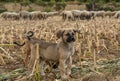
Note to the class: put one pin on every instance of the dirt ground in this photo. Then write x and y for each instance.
(108, 60)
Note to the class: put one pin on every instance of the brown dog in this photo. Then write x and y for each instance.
(57, 52)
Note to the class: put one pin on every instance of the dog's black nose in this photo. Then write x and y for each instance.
(72, 38)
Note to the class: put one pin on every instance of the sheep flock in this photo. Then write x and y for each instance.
(66, 15)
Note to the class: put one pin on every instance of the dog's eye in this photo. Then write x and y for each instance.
(67, 34)
(73, 34)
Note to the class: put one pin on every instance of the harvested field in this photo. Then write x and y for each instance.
(97, 47)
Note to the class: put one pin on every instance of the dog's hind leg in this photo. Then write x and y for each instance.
(41, 67)
(32, 57)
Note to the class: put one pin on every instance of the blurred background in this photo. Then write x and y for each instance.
(57, 5)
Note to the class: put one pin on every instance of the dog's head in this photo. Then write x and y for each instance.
(68, 35)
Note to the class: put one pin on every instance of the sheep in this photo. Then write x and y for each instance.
(4, 15)
(16, 16)
(10, 15)
(35, 15)
(86, 15)
(38, 15)
(24, 14)
(43, 15)
(76, 14)
(67, 15)
(92, 13)
(117, 14)
(50, 14)
(99, 14)
(109, 14)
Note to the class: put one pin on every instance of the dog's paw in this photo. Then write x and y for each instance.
(42, 74)
(64, 77)
(69, 72)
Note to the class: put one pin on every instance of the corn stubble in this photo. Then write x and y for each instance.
(98, 38)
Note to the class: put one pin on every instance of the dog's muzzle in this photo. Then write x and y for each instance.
(71, 39)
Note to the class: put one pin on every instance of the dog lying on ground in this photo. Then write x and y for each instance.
(58, 52)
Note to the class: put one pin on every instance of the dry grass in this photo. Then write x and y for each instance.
(99, 38)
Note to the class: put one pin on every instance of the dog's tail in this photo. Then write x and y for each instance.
(19, 44)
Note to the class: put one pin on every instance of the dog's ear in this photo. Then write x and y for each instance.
(59, 33)
(76, 31)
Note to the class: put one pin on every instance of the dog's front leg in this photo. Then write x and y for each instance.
(69, 65)
(62, 68)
